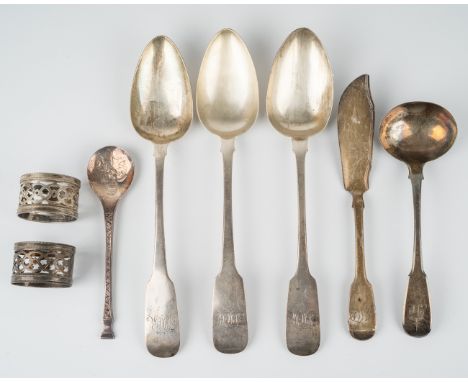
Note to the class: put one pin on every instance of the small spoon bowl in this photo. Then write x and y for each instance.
(110, 173)
(418, 132)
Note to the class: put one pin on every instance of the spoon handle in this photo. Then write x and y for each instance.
(230, 331)
(107, 332)
(302, 317)
(361, 320)
(227, 149)
(161, 314)
(417, 313)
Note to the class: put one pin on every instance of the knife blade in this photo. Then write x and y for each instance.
(355, 134)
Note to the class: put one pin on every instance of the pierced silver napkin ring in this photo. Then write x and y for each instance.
(46, 197)
(43, 264)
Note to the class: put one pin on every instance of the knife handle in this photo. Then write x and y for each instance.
(358, 206)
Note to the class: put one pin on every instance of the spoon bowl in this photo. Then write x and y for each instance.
(227, 86)
(418, 132)
(161, 105)
(110, 173)
(300, 89)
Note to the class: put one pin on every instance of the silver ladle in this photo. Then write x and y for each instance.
(416, 133)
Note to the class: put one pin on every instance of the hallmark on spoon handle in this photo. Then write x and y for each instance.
(107, 332)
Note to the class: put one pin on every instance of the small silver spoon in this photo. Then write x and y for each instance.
(227, 104)
(110, 173)
(161, 111)
(299, 102)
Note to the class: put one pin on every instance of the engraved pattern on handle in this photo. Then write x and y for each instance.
(108, 316)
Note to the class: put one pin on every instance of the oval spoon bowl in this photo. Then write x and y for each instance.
(161, 104)
(300, 89)
(418, 132)
(227, 86)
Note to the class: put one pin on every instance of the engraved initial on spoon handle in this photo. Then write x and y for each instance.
(107, 332)
(160, 151)
(417, 314)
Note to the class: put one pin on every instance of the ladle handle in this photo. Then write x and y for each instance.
(107, 332)
(417, 314)
(160, 151)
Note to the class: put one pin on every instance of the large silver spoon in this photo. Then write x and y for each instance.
(416, 133)
(161, 110)
(227, 104)
(299, 102)
(110, 173)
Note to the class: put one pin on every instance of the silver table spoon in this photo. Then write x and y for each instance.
(110, 173)
(299, 102)
(227, 104)
(161, 111)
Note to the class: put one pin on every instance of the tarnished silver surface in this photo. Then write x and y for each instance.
(355, 134)
(43, 264)
(299, 102)
(416, 133)
(46, 197)
(110, 173)
(161, 110)
(227, 104)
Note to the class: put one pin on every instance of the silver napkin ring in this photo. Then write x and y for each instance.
(42, 264)
(46, 197)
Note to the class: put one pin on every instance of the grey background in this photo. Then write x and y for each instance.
(66, 73)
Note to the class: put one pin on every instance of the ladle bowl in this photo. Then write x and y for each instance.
(418, 132)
